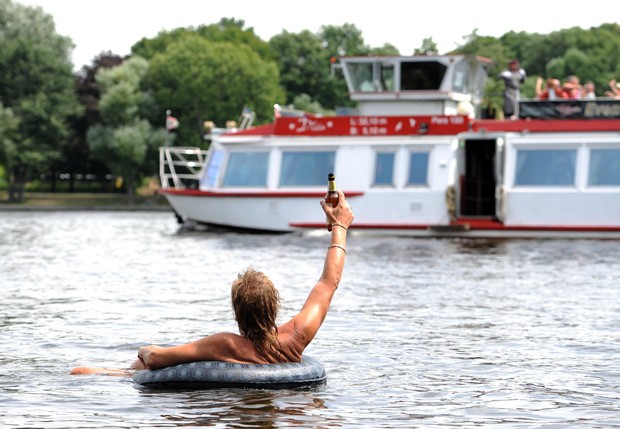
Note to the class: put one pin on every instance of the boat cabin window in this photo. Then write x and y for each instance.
(421, 75)
(604, 167)
(371, 76)
(361, 75)
(418, 168)
(384, 169)
(306, 168)
(246, 169)
(545, 167)
(461, 77)
(213, 167)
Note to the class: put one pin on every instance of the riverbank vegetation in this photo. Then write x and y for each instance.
(106, 122)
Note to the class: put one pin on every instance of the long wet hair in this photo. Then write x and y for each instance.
(256, 302)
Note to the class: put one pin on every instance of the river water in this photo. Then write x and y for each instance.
(422, 332)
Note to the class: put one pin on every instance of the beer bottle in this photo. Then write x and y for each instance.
(331, 197)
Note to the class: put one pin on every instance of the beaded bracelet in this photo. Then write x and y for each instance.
(339, 246)
(341, 226)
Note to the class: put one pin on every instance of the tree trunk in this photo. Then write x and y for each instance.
(17, 184)
(131, 191)
(53, 180)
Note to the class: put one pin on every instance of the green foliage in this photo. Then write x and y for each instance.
(429, 47)
(386, 49)
(340, 40)
(9, 125)
(304, 102)
(304, 64)
(123, 147)
(125, 140)
(226, 30)
(199, 80)
(592, 55)
(212, 72)
(36, 83)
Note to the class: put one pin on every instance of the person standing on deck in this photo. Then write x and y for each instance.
(513, 77)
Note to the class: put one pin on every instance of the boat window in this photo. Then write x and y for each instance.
(362, 77)
(306, 168)
(461, 77)
(418, 168)
(387, 77)
(545, 167)
(246, 169)
(213, 167)
(604, 167)
(384, 168)
(421, 75)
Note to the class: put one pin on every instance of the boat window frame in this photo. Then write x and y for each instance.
(321, 176)
(410, 154)
(227, 164)
(212, 172)
(372, 76)
(427, 75)
(589, 184)
(571, 147)
(377, 153)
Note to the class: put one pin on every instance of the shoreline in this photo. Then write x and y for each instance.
(25, 208)
(43, 201)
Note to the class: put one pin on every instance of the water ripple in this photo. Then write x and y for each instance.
(422, 332)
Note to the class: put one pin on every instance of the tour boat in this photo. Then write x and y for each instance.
(415, 157)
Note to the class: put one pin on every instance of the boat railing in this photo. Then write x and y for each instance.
(181, 167)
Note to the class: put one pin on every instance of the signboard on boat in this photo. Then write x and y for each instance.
(570, 109)
(368, 126)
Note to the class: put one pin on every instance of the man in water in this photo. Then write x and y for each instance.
(256, 302)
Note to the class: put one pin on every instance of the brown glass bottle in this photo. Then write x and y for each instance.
(331, 197)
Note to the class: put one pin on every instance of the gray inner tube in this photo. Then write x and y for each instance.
(212, 375)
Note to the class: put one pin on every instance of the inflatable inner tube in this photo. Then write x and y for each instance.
(212, 375)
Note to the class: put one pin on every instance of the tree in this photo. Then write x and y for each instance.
(200, 80)
(304, 102)
(429, 47)
(125, 140)
(226, 30)
(304, 64)
(304, 60)
(386, 49)
(36, 83)
(77, 157)
(341, 40)
(9, 125)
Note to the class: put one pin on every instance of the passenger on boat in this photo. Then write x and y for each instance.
(572, 88)
(256, 302)
(615, 89)
(552, 91)
(513, 77)
(589, 92)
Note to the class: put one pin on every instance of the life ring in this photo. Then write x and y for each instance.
(212, 374)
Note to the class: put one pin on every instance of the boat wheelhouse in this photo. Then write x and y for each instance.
(415, 158)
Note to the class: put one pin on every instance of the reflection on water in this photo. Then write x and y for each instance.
(247, 409)
(422, 332)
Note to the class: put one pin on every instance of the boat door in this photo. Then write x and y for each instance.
(478, 176)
